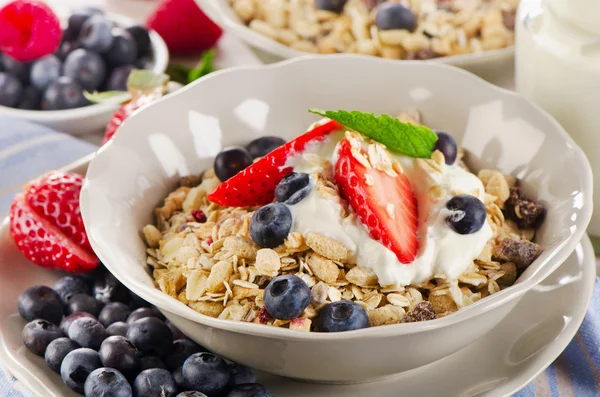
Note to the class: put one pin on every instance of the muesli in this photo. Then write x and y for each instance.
(361, 221)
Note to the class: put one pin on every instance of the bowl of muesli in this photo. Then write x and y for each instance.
(463, 33)
(337, 245)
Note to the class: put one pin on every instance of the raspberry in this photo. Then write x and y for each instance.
(199, 216)
(30, 30)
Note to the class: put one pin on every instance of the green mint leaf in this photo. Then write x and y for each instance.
(204, 67)
(178, 73)
(404, 138)
(146, 80)
(111, 97)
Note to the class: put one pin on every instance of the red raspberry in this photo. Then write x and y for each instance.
(199, 216)
(30, 30)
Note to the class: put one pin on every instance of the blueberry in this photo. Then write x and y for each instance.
(180, 351)
(67, 321)
(77, 366)
(178, 378)
(76, 21)
(447, 145)
(1, 63)
(85, 67)
(123, 50)
(138, 302)
(17, 69)
(56, 352)
(119, 328)
(149, 362)
(11, 90)
(109, 289)
(240, 375)
(154, 383)
(142, 39)
(65, 48)
(264, 145)
(270, 225)
(467, 214)
(231, 161)
(104, 382)
(30, 99)
(119, 353)
(42, 302)
(286, 297)
(44, 71)
(38, 334)
(293, 188)
(395, 16)
(87, 332)
(84, 303)
(336, 6)
(206, 373)
(63, 93)
(177, 334)
(151, 336)
(144, 312)
(96, 34)
(250, 390)
(114, 312)
(69, 286)
(192, 393)
(117, 81)
(342, 316)
(97, 274)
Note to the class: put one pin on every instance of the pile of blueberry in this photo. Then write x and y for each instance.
(106, 341)
(95, 55)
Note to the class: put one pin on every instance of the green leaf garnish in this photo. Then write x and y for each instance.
(178, 73)
(204, 66)
(146, 80)
(404, 138)
(111, 97)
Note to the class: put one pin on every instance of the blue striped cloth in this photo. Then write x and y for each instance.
(27, 150)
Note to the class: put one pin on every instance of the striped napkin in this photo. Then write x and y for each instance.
(27, 150)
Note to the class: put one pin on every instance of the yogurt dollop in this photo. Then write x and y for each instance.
(442, 251)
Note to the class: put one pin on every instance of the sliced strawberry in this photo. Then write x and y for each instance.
(256, 184)
(43, 243)
(375, 202)
(120, 115)
(55, 197)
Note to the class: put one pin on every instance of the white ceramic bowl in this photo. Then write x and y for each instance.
(91, 118)
(181, 134)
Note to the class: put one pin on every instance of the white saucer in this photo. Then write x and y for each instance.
(528, 340)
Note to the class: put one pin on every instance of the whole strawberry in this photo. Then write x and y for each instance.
(46, 224)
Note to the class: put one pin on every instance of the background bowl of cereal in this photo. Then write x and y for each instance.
(472, 34)
(180, 135)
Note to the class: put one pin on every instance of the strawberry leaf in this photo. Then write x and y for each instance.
(204, 67)
(179, 73)
(111, 97)
(404, 138)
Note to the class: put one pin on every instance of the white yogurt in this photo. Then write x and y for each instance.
(442, 252)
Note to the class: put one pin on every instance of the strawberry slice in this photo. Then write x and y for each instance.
(387, 207)
(256, 184)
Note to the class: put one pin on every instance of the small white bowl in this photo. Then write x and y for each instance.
(92, 118)
(181, 133)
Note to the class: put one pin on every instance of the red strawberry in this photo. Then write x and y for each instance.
(29, 29)
(46, 225)
(120, 115)
(256, 184)
(184, 27)
(372, 202)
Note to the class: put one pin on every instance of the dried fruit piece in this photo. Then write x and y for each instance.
(522, 253)
(423, 311)
(527, 213)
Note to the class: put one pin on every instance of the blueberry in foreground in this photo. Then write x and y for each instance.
(117, 81)
(206, 372)
(149, 362)
(96, 34)
(142, 39)
(191, 394)
(154, 383)
(105, 382)
(264, 145)
(342, 316)
(123, 50)
(250, 390)
(144, 312)
(180, 351)
(67, 321)
(151, 336)
(447, 145)
(467, 214)
(87, 332)
(40, 302)
(119, 328)
(109, 289)
(69, 286)
(30, 99)
(44, 71)
(64, 93)
(293, 188)
(270, 225)
(286, 297)
(240, 374)
(77, 366)
(20, 70)
(38, 334)
(178, 378)
(85, 67)
(230, 161)
(336, 6)
(177, 334)
(114, 312)
(11, 90)
(56, 352)
(119, 353)
(84, 303)
(395, 16)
